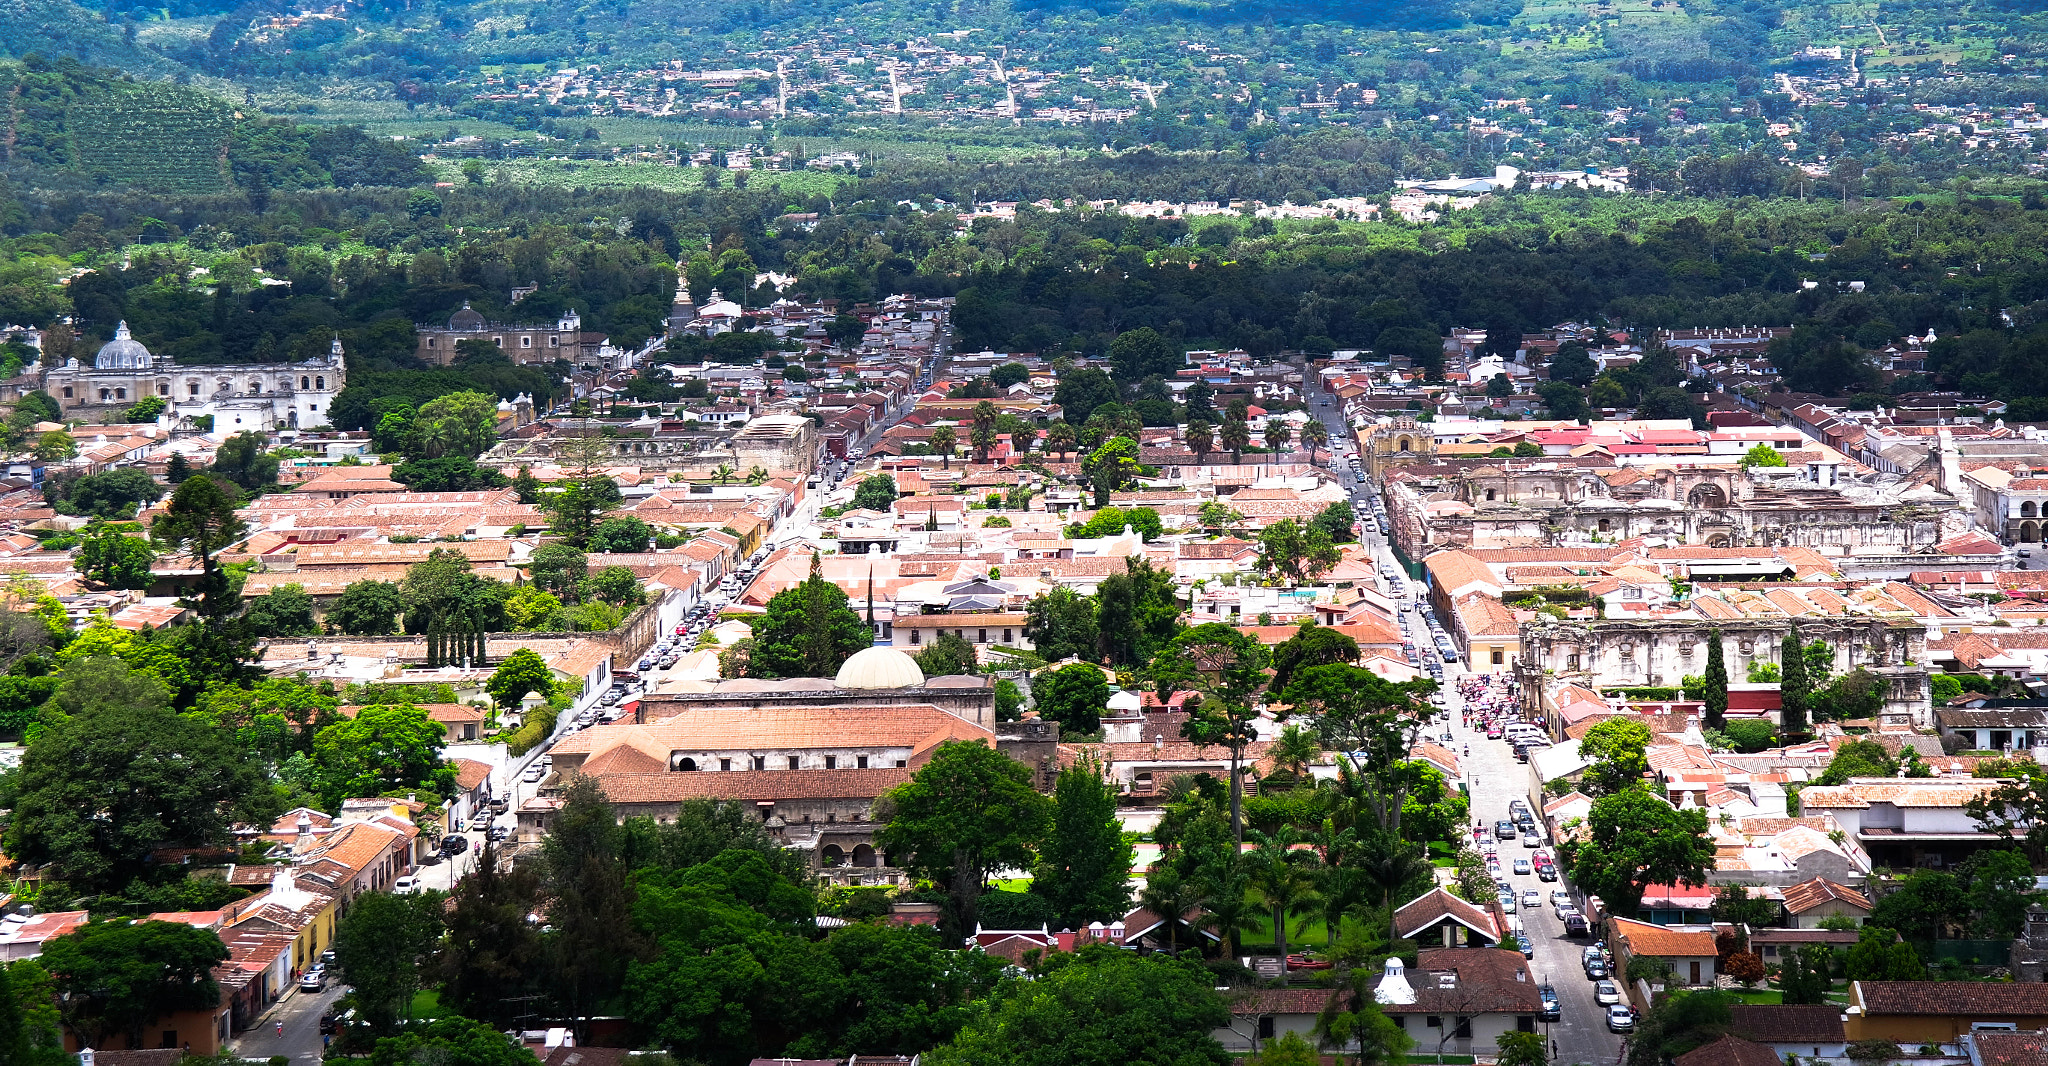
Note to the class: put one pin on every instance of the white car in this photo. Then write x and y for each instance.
(1620, 1019)
(1532, 899)
(534, 773)
(408, 883)
(1606, 993)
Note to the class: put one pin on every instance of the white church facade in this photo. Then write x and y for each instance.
(251, 396)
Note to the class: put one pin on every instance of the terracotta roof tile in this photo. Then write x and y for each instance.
(1974, 998)
(1644, 938)
(1729, 1051)
(1787, 1023)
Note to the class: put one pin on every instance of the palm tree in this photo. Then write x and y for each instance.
(757, 475)
(1170, 896)
(1295, 749)
(1285, 877)
(942, 442)
(1023, 438)
(1276, 435)
(983, 433)
(1236, 436)
(1201, 440)
(1225, 885)
(723, 472)
(1315, 435)
(1060, 439)
(1390, 863)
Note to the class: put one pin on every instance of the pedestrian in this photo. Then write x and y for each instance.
(280, 1027)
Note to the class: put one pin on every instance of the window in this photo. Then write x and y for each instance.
(1498, 656)
(760, 762)
(725, 764)
(1571, 662)
(105, 395)
(430, 342)
(794, 763)
(1266, 1027)
(305, 382)
(982, 636)
(861, 761)
(901, 763)
(255, 387)
(916, 637)
(67, 392)
(120, 394)
(320, 383)
(191, 386)
(831, 762)
(1433, 1021)
(1489, 495)
(554, 342)
(526, 342)
(1006, 636)
(163, 389)
(1631, 592)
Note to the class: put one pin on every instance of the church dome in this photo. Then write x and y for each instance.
(124, 352)
(466, 319)
(879, 668)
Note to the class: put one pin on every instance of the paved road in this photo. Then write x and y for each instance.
(301, 1042)
(1494, 778)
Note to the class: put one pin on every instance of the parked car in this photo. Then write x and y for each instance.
(1531, 840)
(408, 883)
(1521, 866)
(1546, 873)
(454, 844)
(534, 773)
(1526, 945)
(315, 980)
(1575, 925)
(1507, 902)
(1620, 1019)
(1532, 899)
(1593, 964)
(1551, 1010)
(1606, 992)
(1504, 830)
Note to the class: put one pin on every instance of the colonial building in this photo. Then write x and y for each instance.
(523, 344)
(241, 396)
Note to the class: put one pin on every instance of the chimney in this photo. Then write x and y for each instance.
(1393, 986)
(302, 840)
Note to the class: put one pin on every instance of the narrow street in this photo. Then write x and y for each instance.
(301, 1041)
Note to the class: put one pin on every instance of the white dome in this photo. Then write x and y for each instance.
(124, 352)
(879, 668)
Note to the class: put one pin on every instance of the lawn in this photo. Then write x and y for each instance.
(1260, 935)
(1761, 995)
(426, 1005)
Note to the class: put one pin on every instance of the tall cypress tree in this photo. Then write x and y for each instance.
(1717, 683)
(1792, 682)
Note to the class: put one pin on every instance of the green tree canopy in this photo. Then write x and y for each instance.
(366, 609)
(384, 749)
(285, 611)
(382, 949)
(1100, 1005)
(114, 559)
(1060, 624)
(115, 977)
(808, 630)
(1075, 695)
(1638, 840)
(1618, 750)
(522, 672)
(118, 775)
(967, 813)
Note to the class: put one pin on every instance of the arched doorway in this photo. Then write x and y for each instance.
(2030, 532)
(2027, 510)
(686, 765)
(1707, 496)
(834, 855)
(1405, 445)
(863, 855)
